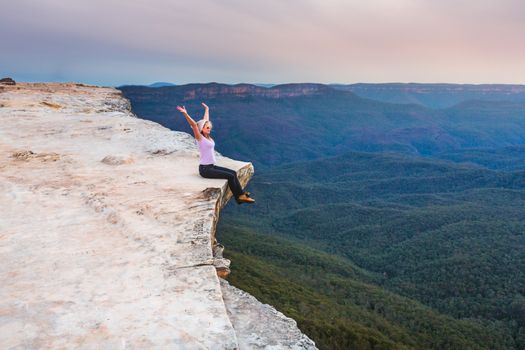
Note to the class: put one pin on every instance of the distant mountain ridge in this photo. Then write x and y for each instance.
(213, 90)
(435, 95)
(308, 121)
(161, 84)
(439, 95)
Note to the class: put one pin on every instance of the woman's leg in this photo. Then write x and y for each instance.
(234, 173)
(214, 172)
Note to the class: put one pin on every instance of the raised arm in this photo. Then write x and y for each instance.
(190, 121)
(206, 115)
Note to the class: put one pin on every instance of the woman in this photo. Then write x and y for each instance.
(207, 167)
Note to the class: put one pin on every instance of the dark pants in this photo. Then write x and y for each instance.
(211, 171)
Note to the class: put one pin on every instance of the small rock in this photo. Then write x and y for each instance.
(22, 155)
(218, 250)
(28, 155)
(211, 193)
(52, 105)
(7, 81)
(161, 152)
(222, 266)
(117, 160)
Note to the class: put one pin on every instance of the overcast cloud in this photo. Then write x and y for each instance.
(114, 42)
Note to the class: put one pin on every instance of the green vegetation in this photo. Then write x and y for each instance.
(507, 158)
(437, 245)
(341, 306)
(375, 250)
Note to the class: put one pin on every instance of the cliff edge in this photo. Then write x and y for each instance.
(107, 232)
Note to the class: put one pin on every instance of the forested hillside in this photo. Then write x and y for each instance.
(451, 237)
(377, 225)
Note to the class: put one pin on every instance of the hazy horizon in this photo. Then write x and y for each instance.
(251, 83)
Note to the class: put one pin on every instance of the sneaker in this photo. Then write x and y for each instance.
(243, 198)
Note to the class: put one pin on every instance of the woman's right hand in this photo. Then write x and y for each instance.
(182, 109)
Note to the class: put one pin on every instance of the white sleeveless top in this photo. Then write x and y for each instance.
(207, 151)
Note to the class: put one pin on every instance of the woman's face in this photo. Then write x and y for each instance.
(206, 129)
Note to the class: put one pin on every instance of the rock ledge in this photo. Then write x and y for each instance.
(107, 229)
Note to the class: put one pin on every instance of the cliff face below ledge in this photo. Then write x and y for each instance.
(106, 232)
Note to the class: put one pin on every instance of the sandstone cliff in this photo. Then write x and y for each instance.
(214, 90)
(107, 232)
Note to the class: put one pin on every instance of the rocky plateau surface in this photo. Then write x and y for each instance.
(107, 232)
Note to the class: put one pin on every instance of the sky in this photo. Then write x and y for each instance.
(117, 42)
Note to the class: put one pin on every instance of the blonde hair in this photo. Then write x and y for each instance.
(203, 122)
